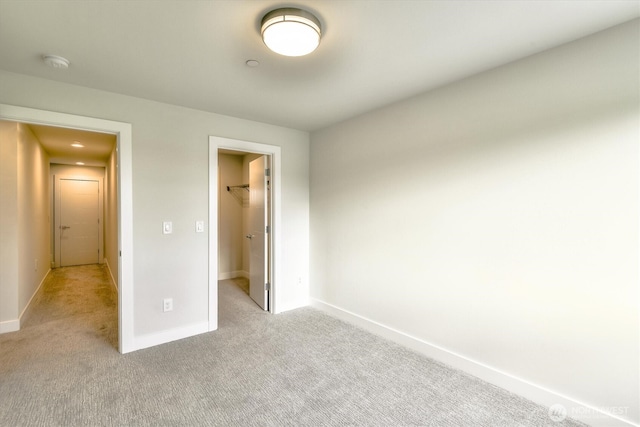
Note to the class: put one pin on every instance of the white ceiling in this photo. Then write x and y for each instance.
(193, 53)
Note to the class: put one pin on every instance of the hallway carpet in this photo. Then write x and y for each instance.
(300, 368)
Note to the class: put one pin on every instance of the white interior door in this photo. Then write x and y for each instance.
(79, 226)
(259, 200)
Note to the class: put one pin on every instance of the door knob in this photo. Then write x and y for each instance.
(64, 227)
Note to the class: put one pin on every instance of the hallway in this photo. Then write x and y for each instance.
(76, 305)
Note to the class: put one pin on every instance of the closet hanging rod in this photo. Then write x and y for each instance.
(245, 186)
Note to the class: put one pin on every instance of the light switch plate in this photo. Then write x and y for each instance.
(199, 226)
(167, 227)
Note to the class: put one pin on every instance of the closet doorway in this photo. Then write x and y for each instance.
(244, 211)
(244, 199)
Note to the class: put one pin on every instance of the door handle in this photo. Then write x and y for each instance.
(64, 227)
(249, 236)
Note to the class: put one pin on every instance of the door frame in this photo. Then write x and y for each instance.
(123, 133)
(216, 143)
(56, 215)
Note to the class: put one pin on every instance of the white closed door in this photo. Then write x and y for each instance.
(259, 202)
(79, 222)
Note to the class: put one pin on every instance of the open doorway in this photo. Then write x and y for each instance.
(122, 252)
(244, 222)
(245, 217)
(83, 199)
(62, 205)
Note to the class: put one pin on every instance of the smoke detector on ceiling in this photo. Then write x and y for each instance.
(55, 61)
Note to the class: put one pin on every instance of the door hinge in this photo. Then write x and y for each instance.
(267, 286)
(266, 229)
(267, 172)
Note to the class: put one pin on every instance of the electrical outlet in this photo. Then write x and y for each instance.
(167, 227)
(167, 304)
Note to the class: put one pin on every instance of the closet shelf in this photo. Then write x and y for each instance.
(240, 193)
(231, 187)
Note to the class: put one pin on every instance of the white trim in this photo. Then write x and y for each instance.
(213, 236)
(543, 396)
(9, 326)
(113, 281)
(163, 337)
(125, 238)
(123, 133)
(26, 307)
(14, 325)
(56, 216)
(215, 143)
(293, 305)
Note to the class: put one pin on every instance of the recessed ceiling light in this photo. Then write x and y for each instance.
(55, 61)
(77, 145)
(290, 31)
(79, 163)
(252, 63)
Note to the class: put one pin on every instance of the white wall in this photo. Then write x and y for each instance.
(497, 219)
(230, 237)
(24, 223)
(170, 183)
(8, 227)
(33, 215)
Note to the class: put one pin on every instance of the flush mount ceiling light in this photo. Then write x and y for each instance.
(55, 61)
(290, 31)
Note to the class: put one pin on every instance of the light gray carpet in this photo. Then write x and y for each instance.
(297, 368)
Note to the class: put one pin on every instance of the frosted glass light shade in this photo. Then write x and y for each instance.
(291, 32)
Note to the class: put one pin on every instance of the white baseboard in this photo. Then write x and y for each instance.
(14, 325)
(233, 275)
(113, 281)
(289, 307)
(34, 294)
(163, 337)
(541, 395)
(9, 326)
